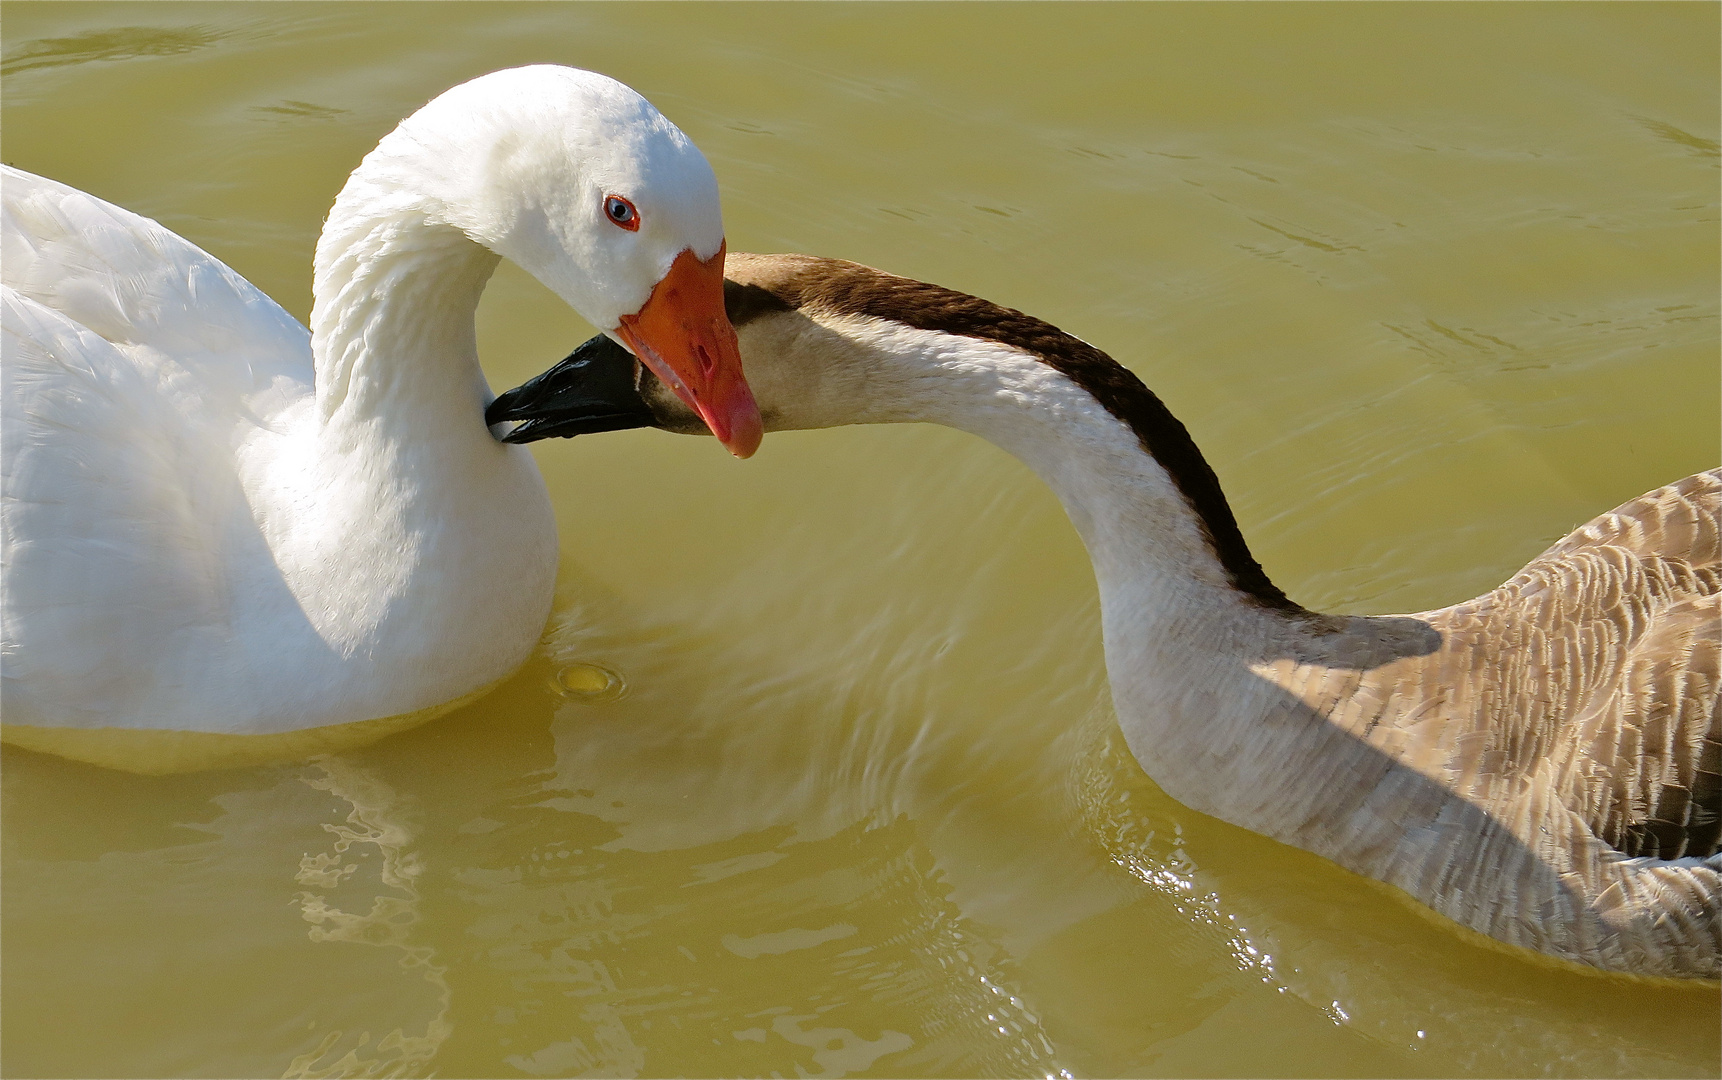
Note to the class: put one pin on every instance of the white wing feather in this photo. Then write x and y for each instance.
(132, 364)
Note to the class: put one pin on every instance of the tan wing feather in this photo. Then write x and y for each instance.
(1613, 677)
(1576, 706)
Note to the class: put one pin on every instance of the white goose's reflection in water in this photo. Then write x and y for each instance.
(371, 867)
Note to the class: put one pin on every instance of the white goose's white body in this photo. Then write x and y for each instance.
(219, 524)
(1538, 764)
(193, 546)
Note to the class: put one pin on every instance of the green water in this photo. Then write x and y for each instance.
(1430, 284)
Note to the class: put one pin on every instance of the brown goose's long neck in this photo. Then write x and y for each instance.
(1183, 640)
(1190, 622)
(1175, 615)
(929, 329)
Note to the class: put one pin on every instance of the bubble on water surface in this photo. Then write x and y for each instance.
(589, 682)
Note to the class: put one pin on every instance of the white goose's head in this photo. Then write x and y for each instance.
(588, 187)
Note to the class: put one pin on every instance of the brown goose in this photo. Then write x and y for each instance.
(1539, 764)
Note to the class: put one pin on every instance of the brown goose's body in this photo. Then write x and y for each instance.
(1539, 764)
(1568, 723)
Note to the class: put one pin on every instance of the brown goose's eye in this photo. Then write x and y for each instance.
(621, 212)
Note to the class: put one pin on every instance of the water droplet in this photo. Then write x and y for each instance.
(589, 682)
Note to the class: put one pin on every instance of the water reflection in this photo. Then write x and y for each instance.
(1254, 921)
(827, 957)
(385, 877)
(192, 944)
(661, 897)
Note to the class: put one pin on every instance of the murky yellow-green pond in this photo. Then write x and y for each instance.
(815, 772)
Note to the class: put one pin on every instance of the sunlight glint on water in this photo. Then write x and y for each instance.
(1429, 283)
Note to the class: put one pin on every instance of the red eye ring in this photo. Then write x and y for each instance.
(621, 213)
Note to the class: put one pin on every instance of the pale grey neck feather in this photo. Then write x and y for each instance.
(1450, 753)
(863, 370)
(393, 322)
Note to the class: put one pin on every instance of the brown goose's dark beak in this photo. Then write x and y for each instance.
(594, 389)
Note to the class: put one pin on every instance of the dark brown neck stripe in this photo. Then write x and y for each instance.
(851, 289)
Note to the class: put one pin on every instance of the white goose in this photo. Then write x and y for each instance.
(229, 540)
(1538, 764)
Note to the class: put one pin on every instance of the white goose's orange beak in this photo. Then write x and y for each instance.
(683, 335)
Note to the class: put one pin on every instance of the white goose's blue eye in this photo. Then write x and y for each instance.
(621, 212)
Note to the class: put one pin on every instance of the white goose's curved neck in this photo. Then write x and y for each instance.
(390, 512)
(392, 325)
